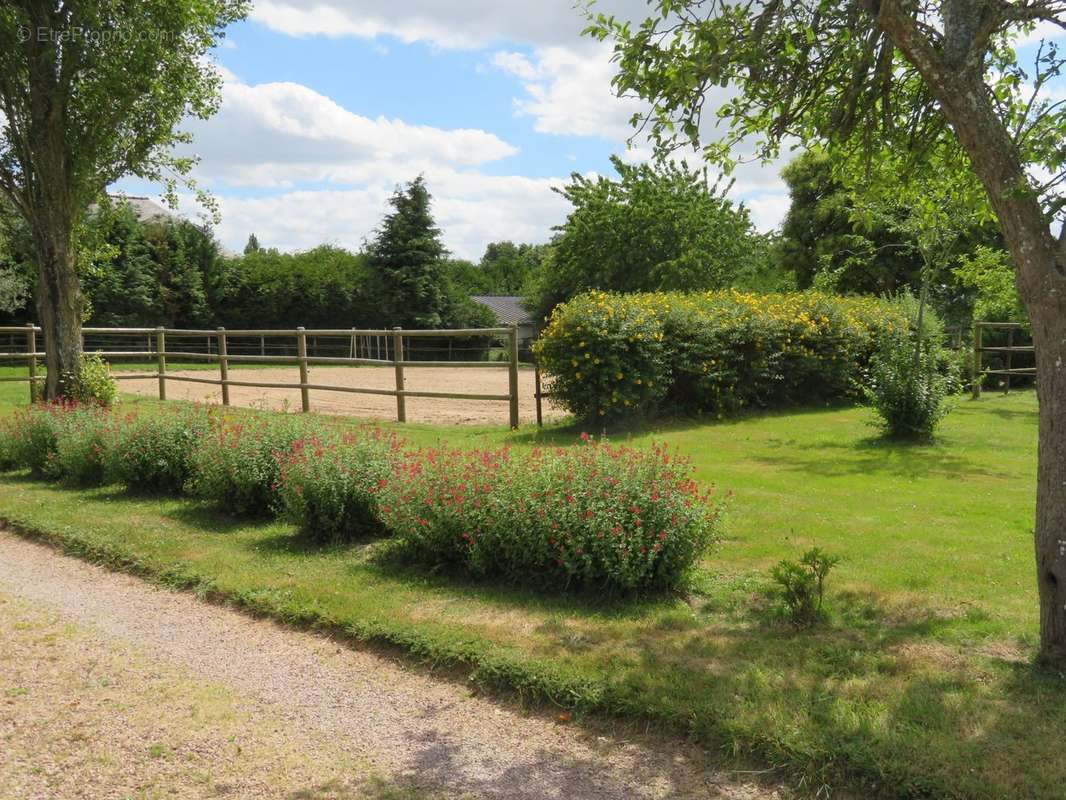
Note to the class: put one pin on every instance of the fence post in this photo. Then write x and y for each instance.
(537, 393)
(397, 359)
(1010, 353)
(223, 365)
(301, 353)
(161, 360)
(977, 377)
(31, 362)
(512, 355)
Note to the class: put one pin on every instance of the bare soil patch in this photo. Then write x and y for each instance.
(419, 409)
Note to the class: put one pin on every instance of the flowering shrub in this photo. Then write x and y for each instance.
(235, 463)
(330, 489)
(595, 515)
(154, 453)
(30, 435)
(612, 355)
(83, 436)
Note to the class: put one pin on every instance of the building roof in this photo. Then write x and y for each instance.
(145, 209)
(507, 308)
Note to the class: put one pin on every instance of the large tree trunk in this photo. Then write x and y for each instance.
(1040, 261)
(1049, 335)
(59, 310)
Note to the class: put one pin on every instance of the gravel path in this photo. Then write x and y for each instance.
(407, 725)
(419, 409)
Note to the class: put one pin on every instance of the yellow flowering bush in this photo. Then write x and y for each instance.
(610, 355)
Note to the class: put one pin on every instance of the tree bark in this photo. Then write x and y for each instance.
(59, 310)
(1041, 277)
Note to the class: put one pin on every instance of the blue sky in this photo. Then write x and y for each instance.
(327, 107)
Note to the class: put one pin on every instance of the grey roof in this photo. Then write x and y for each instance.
(146, 210)
(507, 308)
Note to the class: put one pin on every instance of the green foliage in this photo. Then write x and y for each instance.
(326, 287)
(93, 385)
(83, 436)
(908, 387)
(825, 247)
(330, 488)
(30, 435)
(990, 272)
(407, 257)
(154, 454)
(613, 356)
(656, 227)
(802, 585)
(596, 515)
(235, 463)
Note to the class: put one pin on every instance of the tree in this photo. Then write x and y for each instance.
(821, 241)
(508, 267)
(89, 92)
(252, 245)
(661, 226)
(860, 77)
(16, 283)
(408, 258)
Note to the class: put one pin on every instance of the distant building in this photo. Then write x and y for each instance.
(509, 311)
(145, 209)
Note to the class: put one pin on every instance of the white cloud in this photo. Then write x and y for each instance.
(568, 91)
(282, 134)
(469, 24)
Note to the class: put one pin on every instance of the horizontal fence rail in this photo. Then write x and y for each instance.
(301, 348)
(1007, 352)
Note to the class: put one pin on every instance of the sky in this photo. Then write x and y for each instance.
(329, 105)
(326, 108)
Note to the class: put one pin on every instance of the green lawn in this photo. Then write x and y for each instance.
(921, 684)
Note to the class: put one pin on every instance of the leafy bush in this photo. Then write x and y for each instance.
(802, 585)
(595, 515)
(94, 385)
(154, 453)
(330, 489)
(613, 355)
(83, 437)
(235, 463)
(908, 389)
(31, 438)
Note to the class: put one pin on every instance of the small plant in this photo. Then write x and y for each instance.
(154, 453)
(802, 585)
(94, 384)
(908, 387)
(235, 464)
(330, 489)
(83, 435)
(31, 438)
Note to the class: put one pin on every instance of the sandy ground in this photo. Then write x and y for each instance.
(110, 687)
(419, 409)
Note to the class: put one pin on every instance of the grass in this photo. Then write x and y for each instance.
(920, 684)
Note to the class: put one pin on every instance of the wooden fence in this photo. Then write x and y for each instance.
(1014, 330)
(395, 344)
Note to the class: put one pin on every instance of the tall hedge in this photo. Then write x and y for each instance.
(610, 355)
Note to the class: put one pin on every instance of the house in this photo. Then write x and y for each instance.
(509, 311)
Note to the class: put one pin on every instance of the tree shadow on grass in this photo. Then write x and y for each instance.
(549, 598)
(876, 455)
